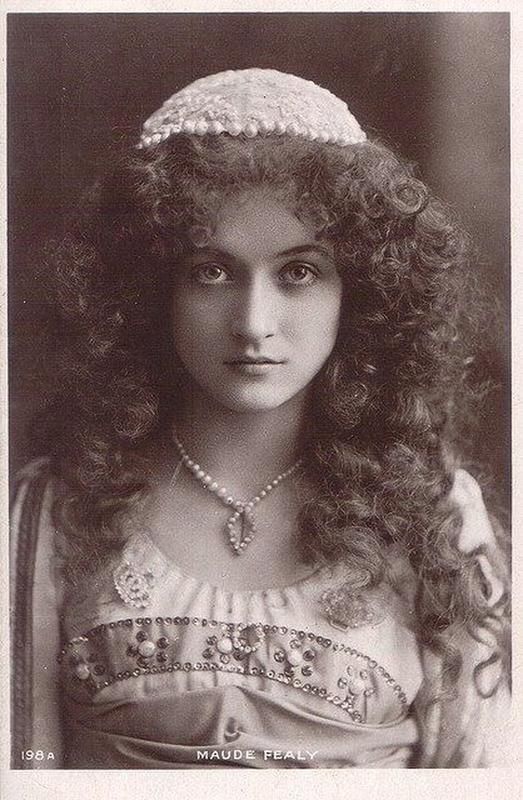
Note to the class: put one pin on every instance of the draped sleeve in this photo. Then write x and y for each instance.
(470, 729)
(36, 718)
(473, 727)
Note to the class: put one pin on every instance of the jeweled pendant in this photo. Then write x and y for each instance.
(240, 529)
(240, 526)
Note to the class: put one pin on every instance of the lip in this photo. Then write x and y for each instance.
(253, 366)
(241, 360)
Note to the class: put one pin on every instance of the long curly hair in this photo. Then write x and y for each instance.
(388, 416)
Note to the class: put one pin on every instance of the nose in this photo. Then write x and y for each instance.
(254, 317)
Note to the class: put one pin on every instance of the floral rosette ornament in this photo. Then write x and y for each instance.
(134, 587)
(347, 607)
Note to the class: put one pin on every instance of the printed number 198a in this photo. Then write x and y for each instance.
(37, 755)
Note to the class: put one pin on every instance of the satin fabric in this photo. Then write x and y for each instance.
(228, 726)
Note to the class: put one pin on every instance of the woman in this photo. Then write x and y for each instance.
(254, 542)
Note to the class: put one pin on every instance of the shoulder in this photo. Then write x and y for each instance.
(31, 500)
(477, 529)
(465, 728)
(479, 535)
(35, 608)
(37, 471)
(28, 486)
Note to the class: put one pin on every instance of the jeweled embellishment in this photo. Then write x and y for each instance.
(134, 587)
(296, 657)
(146, 650)
(358, 682)
(240, 527)
(85, 667)
(83, 670)
(236, 642)
(228, 647)
(349, 608)
(358, 687)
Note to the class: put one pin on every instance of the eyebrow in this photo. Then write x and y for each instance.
(291, 251)
(306, 248)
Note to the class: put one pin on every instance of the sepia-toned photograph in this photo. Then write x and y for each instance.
(259, 390)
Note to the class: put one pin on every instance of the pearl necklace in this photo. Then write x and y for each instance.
(240, 526)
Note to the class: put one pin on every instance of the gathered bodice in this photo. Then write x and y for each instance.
(160, 669)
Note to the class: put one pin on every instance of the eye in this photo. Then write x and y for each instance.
(298, 274)
(209, 273)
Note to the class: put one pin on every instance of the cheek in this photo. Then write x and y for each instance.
(320, 323)
(186, 329)
(193, 320)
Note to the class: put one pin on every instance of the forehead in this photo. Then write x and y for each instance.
(259, 221)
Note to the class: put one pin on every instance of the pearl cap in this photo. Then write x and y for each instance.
(254, 102)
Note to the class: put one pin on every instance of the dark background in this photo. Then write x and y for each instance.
(435, 86)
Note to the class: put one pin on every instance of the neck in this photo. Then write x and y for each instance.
(242, 450)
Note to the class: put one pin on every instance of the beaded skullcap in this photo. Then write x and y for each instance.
(254, 102)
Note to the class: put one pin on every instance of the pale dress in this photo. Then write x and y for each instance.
(259, 679)
(159, 670)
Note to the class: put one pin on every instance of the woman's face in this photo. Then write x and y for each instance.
(256, 308)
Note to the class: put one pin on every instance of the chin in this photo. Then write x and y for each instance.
(250, 406)
(249, 403)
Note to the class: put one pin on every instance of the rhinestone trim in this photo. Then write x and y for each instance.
(205, 664)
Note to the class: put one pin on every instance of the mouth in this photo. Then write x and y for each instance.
(244, 360)
(253, 367)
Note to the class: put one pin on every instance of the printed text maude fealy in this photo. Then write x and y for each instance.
(252, 755)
